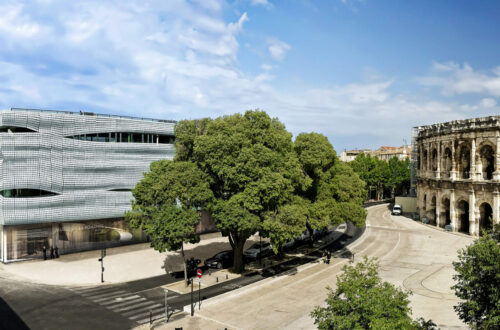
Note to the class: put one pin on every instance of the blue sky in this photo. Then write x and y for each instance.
(361, 72)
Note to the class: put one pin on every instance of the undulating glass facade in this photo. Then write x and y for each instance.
(65, 178)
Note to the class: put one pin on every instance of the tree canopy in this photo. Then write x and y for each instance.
(253, 178)
(363, 301)
(478, 282)
(393, 175)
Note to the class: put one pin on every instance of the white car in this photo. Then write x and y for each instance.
(397, 210)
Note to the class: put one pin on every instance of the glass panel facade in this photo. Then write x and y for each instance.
(27, 241)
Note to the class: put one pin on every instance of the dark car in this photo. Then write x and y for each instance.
(257, 251)
(221, 260)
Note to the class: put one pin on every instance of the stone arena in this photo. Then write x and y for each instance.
(458, 176)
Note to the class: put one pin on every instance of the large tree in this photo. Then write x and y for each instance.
(478, 282)
(252, 167)
(337, 193)
(166, 204)
(363, 301)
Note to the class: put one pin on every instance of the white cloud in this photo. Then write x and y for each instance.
(454, 79)
(488, 102)
(264, 3)
(278, 49)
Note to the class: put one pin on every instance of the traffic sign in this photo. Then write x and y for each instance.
(198, 273)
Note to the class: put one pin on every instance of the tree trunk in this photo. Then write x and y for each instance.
(184, 261)
(239, 265)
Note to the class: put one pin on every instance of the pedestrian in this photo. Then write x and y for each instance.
(44, 250)
(51, 252)
(328, 256)
(324, 256)
(56, 250)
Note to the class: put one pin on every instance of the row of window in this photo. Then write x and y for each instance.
(26, 193)
(125, 138)
(23, 193)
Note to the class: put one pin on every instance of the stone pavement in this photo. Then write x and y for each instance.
(412, 256)
(122, 264)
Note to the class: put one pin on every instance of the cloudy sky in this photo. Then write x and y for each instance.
(361, 72)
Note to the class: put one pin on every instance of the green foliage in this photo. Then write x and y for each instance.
(363, 301)
(394, 174)
(166, 203)
(251, 167)
(478, 282)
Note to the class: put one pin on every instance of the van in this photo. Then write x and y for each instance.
(397, 210)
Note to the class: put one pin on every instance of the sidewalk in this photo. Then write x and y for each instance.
(122, 264)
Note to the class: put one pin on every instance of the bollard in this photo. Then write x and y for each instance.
(217, 279)
(150, 317)
(227, 277)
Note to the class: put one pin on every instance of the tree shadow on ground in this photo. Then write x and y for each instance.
(173, 263)
(9, 319)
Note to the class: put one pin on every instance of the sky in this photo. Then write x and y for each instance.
(363, 73)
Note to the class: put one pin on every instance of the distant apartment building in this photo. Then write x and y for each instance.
(384, 153)
(66, 178)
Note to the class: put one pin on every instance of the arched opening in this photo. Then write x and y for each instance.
(431, 214)
(464, 162)
(485, 217)
(434, 160)
(447, 165)
(463, 216)
(445, 213)
(487, 159)
(424, 165)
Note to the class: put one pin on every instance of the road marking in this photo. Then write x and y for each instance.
(145, 308)
(123, 304)
(122, 309)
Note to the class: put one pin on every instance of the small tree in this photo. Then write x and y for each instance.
(478, 282)
(166, 205)
(363, 301)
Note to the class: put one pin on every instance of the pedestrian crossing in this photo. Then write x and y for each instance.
(134, 306)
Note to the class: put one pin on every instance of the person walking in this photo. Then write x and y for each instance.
(44, 250)
(56, 251)
(324, 256)
(328, 256)
(51, 252)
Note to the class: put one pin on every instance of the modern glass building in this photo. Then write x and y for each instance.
(66, 178)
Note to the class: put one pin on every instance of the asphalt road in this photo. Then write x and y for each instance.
(118, 306)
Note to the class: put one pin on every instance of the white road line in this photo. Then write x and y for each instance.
(127, 303)
(122, 309)
(119, 300)
(110, 297)
(142, 309)
(99, 295)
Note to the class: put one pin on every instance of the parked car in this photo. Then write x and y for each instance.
(320, 233)
(397, 210)
(221, 260)
(257, 250)
(304, 237)
(289, 245)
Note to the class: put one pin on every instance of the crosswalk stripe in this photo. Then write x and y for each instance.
(94, 289)
(102, 295)
(118, 300)
(110, 297)
(156, 313)
(146, 308)
(133, 306)
(123, 304)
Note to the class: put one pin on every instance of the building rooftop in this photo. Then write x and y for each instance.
(83, 113)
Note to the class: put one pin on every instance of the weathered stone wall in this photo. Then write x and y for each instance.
(458, 176)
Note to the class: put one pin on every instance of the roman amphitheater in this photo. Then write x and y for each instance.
(458, 177)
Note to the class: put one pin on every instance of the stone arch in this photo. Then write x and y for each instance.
(487, 156)
(485, 217)
(424, 165)
(445, 212)
(447, 164)
(463, 216)
(434, 159)
(464, 161)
